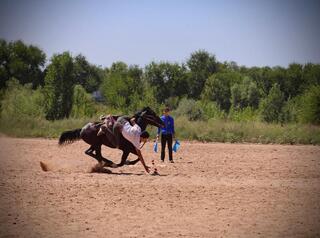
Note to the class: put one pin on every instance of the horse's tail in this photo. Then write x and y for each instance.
(68, 137)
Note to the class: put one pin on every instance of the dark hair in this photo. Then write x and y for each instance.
(144, 134)
(166, 109)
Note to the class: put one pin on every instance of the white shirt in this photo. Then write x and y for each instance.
(132, 134)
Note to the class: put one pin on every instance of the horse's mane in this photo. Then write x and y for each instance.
(138, 113)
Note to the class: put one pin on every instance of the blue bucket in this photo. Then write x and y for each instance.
(155, 146)
(176, 146)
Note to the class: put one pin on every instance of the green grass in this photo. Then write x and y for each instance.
(254, 132)
(39, 127)
(206, 131)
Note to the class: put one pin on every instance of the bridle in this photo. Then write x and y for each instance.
(150, 119)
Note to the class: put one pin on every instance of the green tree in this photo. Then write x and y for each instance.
(191, 109)
(262, 77)
(119, 67)
(82, 103)
(59, 82)
(290, 110)
(245, 94)
(169, 80)
(21, 102)
(87, 75)
(22, 62)
(310, 76)
(136, 74)
(122, 86)
(293, 81)
(271, 106)
(217, 88)
(278, 75)
(4, 65)
(115, 90)
(310, 105)
(201, 65)
(253, 95)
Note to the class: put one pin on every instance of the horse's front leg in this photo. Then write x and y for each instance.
(124, 157)
(105, 162)
(133, 162)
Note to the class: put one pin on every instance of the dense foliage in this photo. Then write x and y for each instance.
(200, 89)
(22, 62)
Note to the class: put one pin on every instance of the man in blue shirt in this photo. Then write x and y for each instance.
(167, 133)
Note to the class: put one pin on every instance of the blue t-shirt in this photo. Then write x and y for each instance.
(168, 125)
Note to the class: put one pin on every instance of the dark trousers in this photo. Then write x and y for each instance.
(166, 139)
(117, 129)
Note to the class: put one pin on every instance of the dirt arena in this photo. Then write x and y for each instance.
(212, 190)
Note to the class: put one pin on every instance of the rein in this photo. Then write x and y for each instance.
(151, 120)
(142, 145)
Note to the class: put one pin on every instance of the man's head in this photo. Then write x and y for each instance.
(166, 111)
(144, 136)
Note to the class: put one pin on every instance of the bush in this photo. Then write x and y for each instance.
(83, 104)
(59, 82)
(138, 101)
(310, 106)
(172, 102)
(243, 115)
(290, 110)
(217, 89)
(272, 105)
(254, 132)
(245, 94)
(191, 109)
(212, 111)
(20, 102)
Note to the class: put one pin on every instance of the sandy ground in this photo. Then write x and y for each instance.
(212, 190)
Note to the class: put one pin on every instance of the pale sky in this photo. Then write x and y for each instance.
(249, 32)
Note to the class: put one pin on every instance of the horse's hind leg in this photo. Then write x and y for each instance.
(101, 159)
(97, 154)
(90, 152)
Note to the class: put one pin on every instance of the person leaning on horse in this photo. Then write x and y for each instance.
(88, 133)
(132, 133)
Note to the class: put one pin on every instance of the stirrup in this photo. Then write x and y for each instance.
(100, 132)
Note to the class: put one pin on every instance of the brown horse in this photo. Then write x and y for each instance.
(89, 132)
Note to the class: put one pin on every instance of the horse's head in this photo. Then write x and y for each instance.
(148, 116)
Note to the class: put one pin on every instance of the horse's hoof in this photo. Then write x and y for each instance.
(113, 165)
(98, 169)
(44, 167)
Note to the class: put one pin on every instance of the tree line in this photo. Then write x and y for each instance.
(200, 88)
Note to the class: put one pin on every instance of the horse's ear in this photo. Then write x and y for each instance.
(147, 108)
(137, 114)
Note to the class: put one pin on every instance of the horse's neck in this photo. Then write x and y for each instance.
(142, 124)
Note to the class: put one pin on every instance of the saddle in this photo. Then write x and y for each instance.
(108, 121)
(107, 124)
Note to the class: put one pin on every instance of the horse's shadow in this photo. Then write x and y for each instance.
(139, 174)
(108, 171)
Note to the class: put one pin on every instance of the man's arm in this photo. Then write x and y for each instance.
(142, 161)
(159, 130)
(133, 121)
(173, 131)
